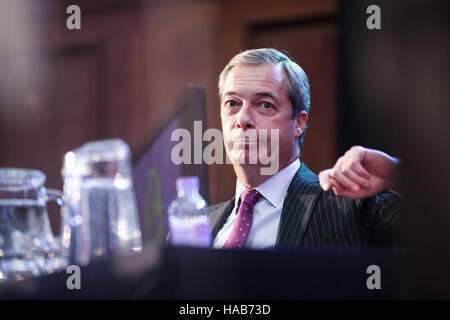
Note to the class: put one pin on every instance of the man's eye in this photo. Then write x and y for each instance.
(266, 105)
(231, 103)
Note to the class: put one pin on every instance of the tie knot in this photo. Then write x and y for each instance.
(250, 196)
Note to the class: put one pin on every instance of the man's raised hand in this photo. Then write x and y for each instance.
(360, 173)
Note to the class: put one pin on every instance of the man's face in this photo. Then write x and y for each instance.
(254, 98)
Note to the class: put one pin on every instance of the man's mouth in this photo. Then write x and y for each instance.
(245, 144)
(244, 141)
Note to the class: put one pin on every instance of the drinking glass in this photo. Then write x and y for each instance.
(99, 202)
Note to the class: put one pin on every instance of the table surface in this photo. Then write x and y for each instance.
(196, 273)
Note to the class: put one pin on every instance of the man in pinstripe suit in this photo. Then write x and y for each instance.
(347, 206)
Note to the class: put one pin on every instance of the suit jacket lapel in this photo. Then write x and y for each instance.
(218, 215)
(301, 199)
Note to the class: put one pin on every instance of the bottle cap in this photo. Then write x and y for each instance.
(187, 183)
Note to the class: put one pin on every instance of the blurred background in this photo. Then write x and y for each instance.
(139, 69)
(126, 73)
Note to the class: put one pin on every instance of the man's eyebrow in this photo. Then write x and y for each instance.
(267, 94)
(258, 94)
(230, 93)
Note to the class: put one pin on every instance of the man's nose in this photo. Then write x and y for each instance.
(245, 118)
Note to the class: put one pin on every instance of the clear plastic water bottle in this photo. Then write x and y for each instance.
(188, 220)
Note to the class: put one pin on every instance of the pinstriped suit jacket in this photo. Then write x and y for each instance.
(313, 218)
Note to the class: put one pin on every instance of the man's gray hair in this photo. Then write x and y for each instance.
(296, 84)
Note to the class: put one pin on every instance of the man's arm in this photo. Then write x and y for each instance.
(361, 173)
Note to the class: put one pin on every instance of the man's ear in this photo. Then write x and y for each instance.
(300, 123)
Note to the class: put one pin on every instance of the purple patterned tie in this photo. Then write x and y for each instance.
(244, 218)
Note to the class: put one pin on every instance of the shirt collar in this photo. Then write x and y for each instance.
(273, 189)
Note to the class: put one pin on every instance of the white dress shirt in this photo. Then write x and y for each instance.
(266, 212)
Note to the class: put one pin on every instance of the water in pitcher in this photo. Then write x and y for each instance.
(112, 222)
(25, 237)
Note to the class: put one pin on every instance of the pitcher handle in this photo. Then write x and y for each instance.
(58, 197)
(55, 195)
(62, 261)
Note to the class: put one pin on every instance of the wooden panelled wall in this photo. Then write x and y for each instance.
(120, 75)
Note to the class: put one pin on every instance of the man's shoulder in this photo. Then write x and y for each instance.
(218, 214)
(305, 180)
(307, 174)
